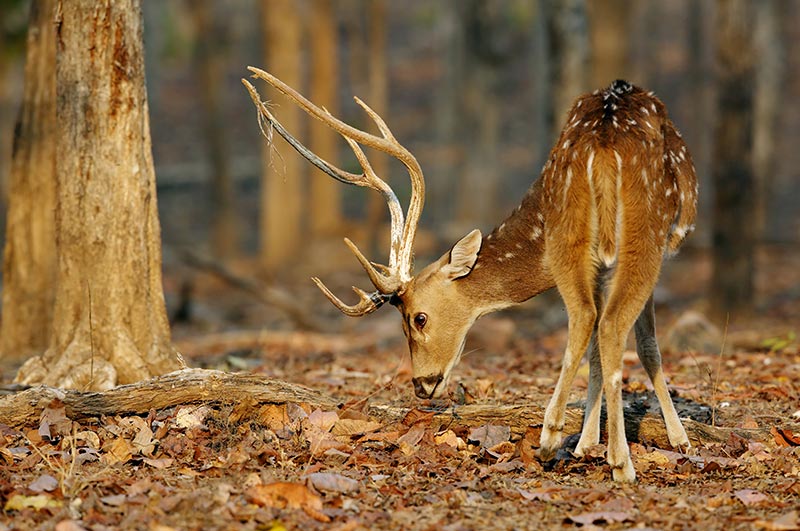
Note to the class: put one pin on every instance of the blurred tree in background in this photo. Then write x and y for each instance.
(29, 258)
(477, 89)
(209, 57)
(734, 185)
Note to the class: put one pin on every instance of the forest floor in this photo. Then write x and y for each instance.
(290, 466)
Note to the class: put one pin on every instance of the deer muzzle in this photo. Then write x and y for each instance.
(426, 386)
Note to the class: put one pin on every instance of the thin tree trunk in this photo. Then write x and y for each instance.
(768, 101)
(109, 320)
(209, 60)
(568, 45)
(379, 101)
(477, 189)
(609, 24)
(29, 263)
(734, 186)
(325, 193)
(281, 190)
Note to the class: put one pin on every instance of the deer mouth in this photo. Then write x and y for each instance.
(426, 386)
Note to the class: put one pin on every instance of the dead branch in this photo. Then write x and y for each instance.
(187, 386)
(258, 339)
(192, 386)
(269, 295)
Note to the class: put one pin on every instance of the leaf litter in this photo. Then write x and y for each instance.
(289, 466)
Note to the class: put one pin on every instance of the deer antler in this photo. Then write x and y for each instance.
(387, 279)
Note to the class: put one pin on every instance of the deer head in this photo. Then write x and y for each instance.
(436, 315)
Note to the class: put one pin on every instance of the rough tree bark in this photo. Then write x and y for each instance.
(282, 185)
(733, 252)
(325, 193)
(109, 320)
(29, 261)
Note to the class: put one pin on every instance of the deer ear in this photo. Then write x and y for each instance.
(463, 255)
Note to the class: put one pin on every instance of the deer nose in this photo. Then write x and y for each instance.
(425, 386)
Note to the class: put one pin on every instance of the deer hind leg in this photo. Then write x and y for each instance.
(650, 355)
(632, 285)
(575, 283)
(590, 433)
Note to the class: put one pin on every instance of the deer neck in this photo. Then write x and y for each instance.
(510, 268)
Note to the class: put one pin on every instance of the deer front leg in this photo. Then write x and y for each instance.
(650, 356)
(590, 433)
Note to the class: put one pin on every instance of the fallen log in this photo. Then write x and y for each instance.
(191, 386)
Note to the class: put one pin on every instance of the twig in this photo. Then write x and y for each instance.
(269, 295)
(719, 371)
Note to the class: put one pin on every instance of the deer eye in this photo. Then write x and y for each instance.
(420, 319)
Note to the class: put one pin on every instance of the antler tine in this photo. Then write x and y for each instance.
(384, 280)
(403, 246)
(337, 173)
(369, 302)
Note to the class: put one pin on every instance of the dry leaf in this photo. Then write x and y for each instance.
(354, 427)
(191, 417)
(273, 416)
(115, 500)
(44, 483)
(412, 437)
(143, 441)
(450, 438)
(330, 482)
(788, 522)
(160, 464)
(784, 437)
(489, 435)
(323, 420)
(69, 525)
(751, 497)
(655, 458)
(609, 517)
(18, 502)
(54, 421)
(119, 451)
(284, 495)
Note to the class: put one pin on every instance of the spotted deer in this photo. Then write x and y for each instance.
(617, 194)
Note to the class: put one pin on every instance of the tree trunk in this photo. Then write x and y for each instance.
(109, 320)
(379, 101)
(29, 262)
(281, 190)
(482, 23)
(568, 44)
(210, 61)
(609, 36)
(325, 200)
(448, 120)
(768, 100)
(734, 187)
